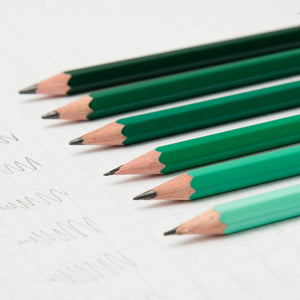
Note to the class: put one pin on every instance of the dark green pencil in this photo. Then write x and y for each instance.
(199, 115)
(126, 71)
(180, 86)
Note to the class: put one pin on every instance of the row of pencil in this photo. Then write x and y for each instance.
(191, 72)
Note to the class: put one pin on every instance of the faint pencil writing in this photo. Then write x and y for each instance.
(17, 166)
(37, 200)
(62, 232)
(5, 139)
(87, 271)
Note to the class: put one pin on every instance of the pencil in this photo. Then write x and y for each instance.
(213, 148)
(229, 176)
(180, 119)
(116, 73)
(180, 86)
(245, 213)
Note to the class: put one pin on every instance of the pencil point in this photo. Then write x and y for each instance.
(146, 195)
(29, 90)
(51, 115)
(77, 141)
(171, 232)
(113, 171)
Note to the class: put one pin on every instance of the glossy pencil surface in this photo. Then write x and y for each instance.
(209, 113)
(261, 209)
(229, 144)
(199, 115)
(245, 213)
(229, 176)
(245, 172)
(141, 68)
(194, 83)
(213, 148)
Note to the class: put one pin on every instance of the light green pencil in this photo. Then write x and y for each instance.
(245, 213)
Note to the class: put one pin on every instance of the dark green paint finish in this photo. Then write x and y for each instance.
(230, 144)
(194, 83)
(208, 113)
(126, 71)
(245, 172)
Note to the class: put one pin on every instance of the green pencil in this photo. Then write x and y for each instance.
(180, 86)
(213, 148)
(194, 116)
(229, 176)
(111, 74)
(245, 213)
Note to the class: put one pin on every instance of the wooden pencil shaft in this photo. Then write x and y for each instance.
(206, 223)
(261, 209)
(194, 83)
(126, 71)
(217, 147)
(245, 213)
(209, 113)
(229, 144)
(229, 176)
(245, 172)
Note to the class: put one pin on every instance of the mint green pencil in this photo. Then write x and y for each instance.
(244, 213)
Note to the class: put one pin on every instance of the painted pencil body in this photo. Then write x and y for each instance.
(213, 148)
(245, 213)
(182, 86)
(229, 176)
(111, 74)
(166, 122)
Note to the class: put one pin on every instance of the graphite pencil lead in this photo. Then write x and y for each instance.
(171, 232)
(113, 171)
(77, 141)
(51, 115)
(146, 195)
(29, 90)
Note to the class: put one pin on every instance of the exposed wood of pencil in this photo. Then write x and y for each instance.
(147, 163)
(178, 188)
(206, 223)
(76, 110)
(55, 85)
(110, 134)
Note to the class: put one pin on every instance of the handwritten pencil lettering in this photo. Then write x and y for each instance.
(63, 232)
(37, 200)
(6, 139)
(108, 264)
(19, 166)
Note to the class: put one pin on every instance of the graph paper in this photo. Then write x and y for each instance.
(67, 232)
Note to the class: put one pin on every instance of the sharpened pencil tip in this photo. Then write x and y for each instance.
(51, 115)
(171, 232)
(29, 90)
(113, 171)
(77, 141)
(146, 195)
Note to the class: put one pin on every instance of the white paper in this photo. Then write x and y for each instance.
(67, 232)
